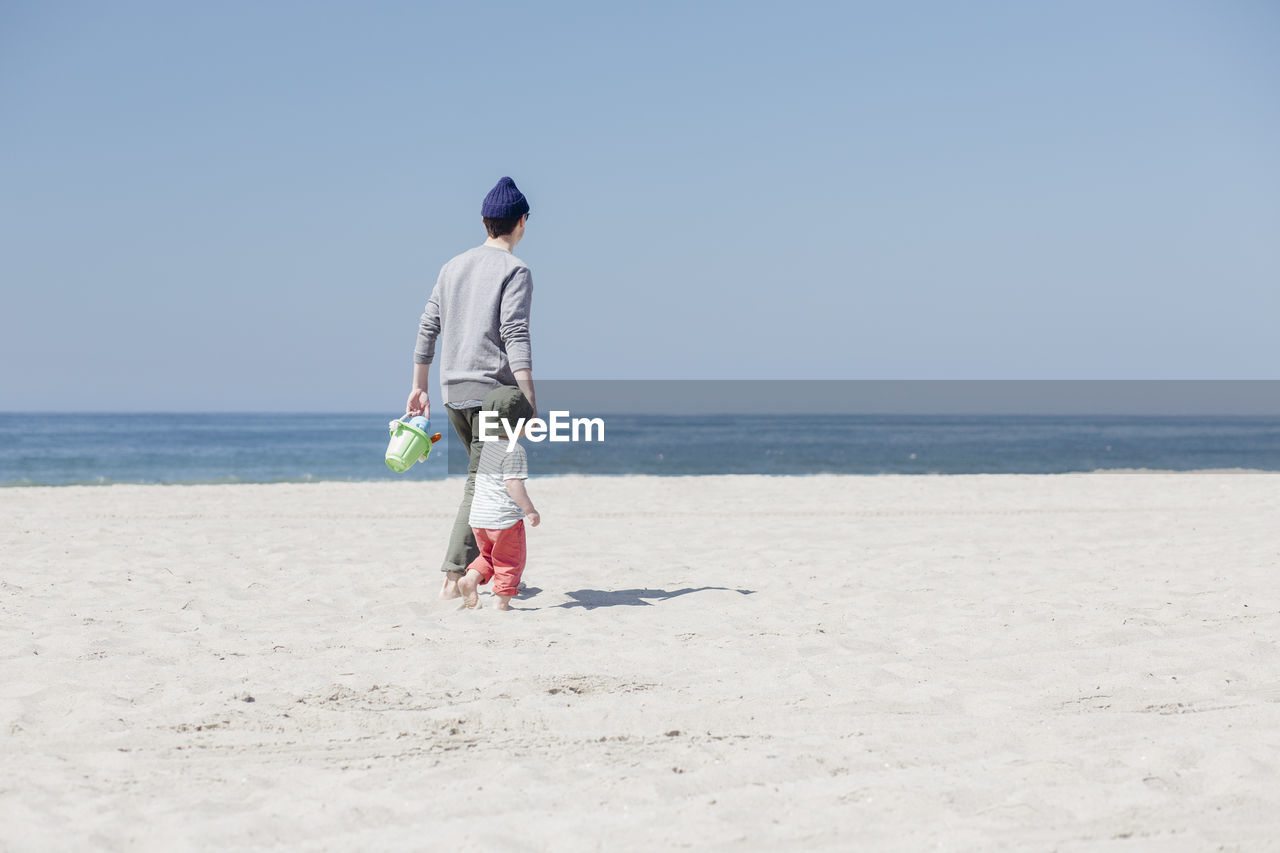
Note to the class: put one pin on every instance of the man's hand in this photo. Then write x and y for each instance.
(419, 403)
(534, 518)
(524, 381)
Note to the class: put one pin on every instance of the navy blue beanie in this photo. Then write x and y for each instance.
(504, 201)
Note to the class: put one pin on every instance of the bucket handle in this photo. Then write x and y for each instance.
(391, 426)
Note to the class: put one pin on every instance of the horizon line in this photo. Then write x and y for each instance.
(655, 413)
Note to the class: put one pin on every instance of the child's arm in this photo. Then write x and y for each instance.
(520, 495)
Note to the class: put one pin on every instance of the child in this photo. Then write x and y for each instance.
(499, 506)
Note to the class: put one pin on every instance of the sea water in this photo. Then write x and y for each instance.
(61, 449)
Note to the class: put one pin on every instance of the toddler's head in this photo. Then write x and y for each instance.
(510, 404)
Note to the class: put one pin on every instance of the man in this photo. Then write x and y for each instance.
(481, 301)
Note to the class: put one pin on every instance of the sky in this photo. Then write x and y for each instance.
(243, 206)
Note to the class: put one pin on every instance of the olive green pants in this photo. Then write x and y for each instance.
(462, 542)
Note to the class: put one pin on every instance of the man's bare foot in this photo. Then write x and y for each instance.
(467, 589)
(504, 602)
(449, 589)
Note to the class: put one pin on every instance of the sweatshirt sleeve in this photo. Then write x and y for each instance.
(429, 328)
(513, 319)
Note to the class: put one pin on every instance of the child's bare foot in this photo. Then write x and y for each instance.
(504, 602)
(449, 589)
(467, 589)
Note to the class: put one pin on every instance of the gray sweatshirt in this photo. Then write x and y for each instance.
(481, 300)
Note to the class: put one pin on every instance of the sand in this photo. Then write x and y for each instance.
(1075, 662)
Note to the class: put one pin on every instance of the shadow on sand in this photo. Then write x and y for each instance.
(593, 598)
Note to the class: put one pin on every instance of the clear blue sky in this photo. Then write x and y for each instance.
(244, 205)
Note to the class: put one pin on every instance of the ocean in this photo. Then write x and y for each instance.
(61, 449)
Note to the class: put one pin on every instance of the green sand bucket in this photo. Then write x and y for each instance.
(408, 445)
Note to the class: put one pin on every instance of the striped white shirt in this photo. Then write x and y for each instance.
(491, 507)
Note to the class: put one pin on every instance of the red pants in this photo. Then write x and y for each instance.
(502, 554)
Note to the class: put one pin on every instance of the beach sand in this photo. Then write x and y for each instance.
(1073, 662)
